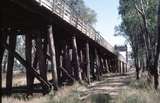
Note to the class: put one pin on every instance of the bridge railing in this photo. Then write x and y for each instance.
(60, 8)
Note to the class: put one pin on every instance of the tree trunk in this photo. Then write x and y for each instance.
(156, 83)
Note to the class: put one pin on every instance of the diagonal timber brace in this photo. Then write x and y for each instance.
(24, 62)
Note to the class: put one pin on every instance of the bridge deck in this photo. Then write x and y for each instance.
(62, 10)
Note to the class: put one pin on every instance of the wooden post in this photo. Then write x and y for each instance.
(9, 75)
(88, 62)
(83, 71)
(71, 71)
(76, 63)
(100, 65)
(59, 70)
(3, 38)
(41, 57)
(122, 68)
(92, 64)
(28, 52)
(118, 66)
(104, 65)
(42, 49)
(107, 65)
(66, 63)
(59, 64)
(53, 56)
(126, 67)
(97, 64)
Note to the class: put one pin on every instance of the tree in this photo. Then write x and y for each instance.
(139, 25)
(85, 13)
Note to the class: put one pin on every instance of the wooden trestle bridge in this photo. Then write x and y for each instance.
(76, 51)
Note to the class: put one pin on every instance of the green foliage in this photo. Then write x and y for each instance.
(85, 13)
(139, 26)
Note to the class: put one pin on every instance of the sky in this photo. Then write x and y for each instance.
(107, 19)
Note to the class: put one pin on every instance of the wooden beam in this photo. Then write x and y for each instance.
(26, 65)
(97, 64)
(9, 75)
(3, 38)
(122, 68)
(41, 58)
(88, 62)
(92, 62)
(107, 65)
(76, 63)
(82, 67)
(100, 65)
(64, 70)
(53, 55)
(65, 62)
(28, 52)
(41, 49)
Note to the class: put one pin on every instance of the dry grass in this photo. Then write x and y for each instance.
(66, 94)
(19, 79)
(139, 92)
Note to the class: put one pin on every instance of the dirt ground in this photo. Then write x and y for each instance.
(110, 86)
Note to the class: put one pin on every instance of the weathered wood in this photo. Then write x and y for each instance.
(88, 62)
(118, 64)
(3, 38)
(83, 69)
(26, 65)
(103, 65)
(41, 58)
(122, 68)
(92, 63)
(9, 75)
(97, 64)
(107, 65)
(64, 70)
(76, 63)
(65, 61)
(59, 63)
(53, 55)
(41, 49)
(126, 68)
(71, 70)
(28, 52)
(100, 65)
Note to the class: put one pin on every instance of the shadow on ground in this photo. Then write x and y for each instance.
(100, 98)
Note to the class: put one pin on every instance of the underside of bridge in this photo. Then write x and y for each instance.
(71, 54)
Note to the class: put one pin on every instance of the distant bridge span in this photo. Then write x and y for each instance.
(73, 49)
